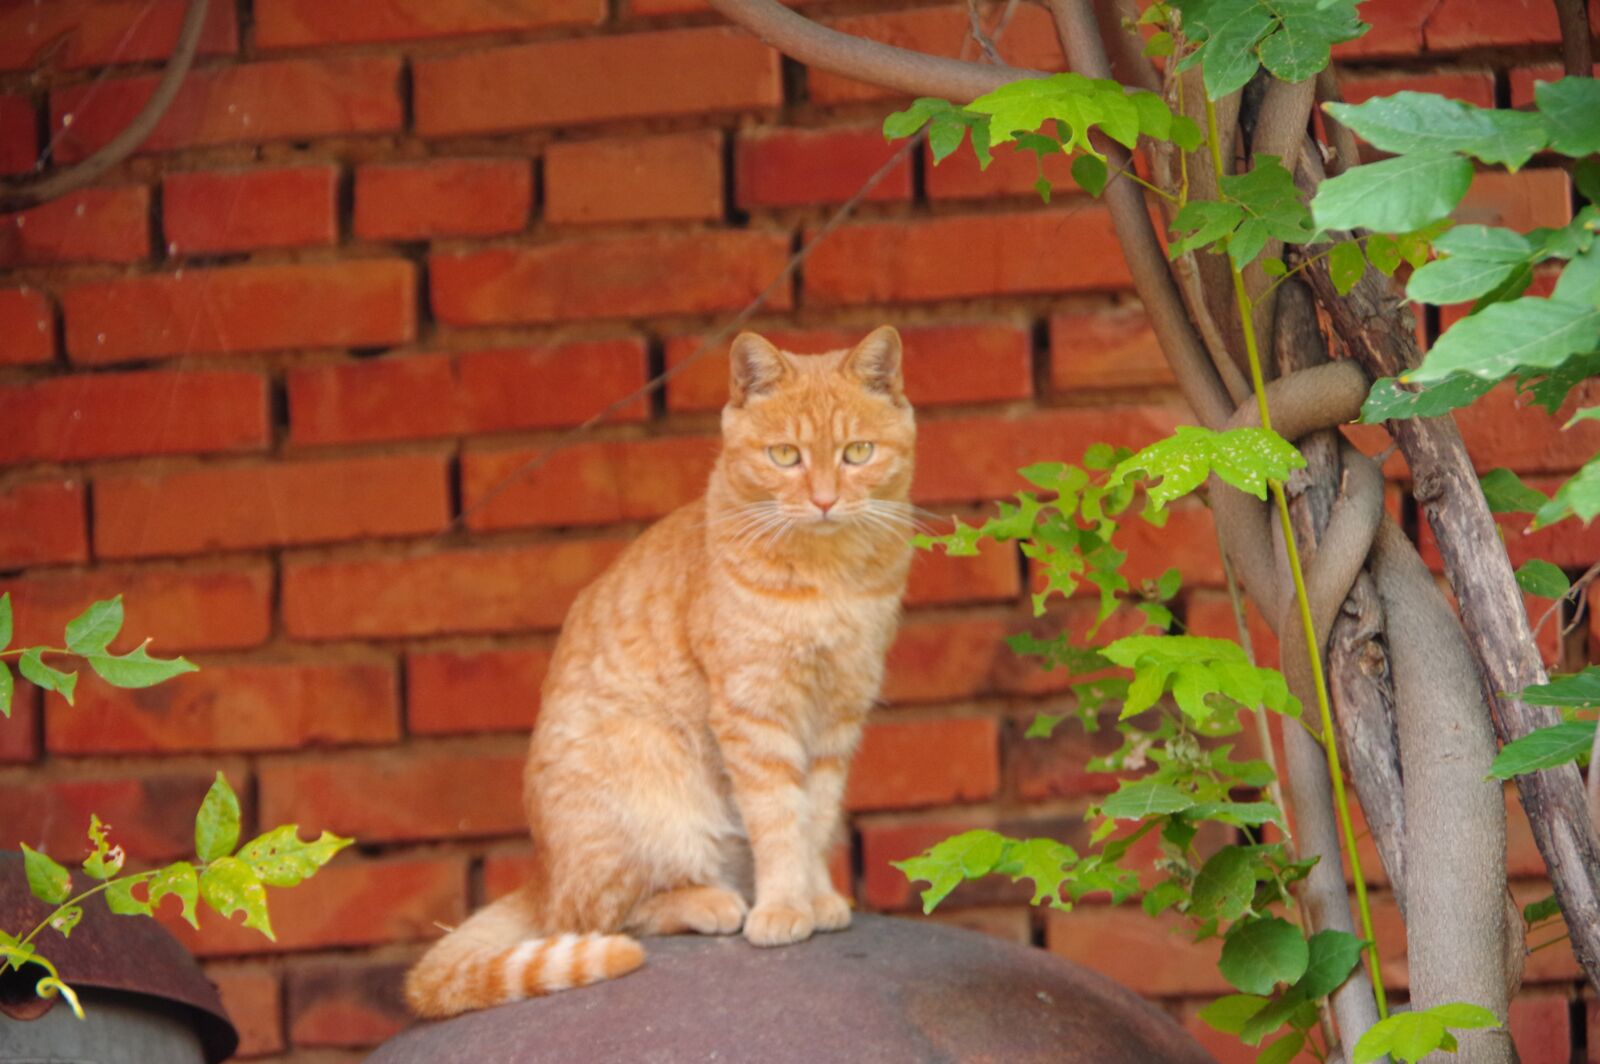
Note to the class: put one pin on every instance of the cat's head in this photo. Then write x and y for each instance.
(827, 440)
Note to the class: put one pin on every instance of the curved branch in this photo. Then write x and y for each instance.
(16, 196)
(900, 69)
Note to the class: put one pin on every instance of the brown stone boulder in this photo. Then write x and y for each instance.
(886, 991)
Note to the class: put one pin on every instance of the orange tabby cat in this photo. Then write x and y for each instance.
(707, 693)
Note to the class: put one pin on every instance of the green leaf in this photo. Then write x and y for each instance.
(1333, 956)
(1283, 1050)
(1571, 108)
(281, 859)
(1578, 690)
(1580, 279)
(960, 857)
(1506, 493)
(33, 668)
(49, 881)
(6, 686)
(104, 860)
(1477, 260)
(1395, 195)
(1090, 174)
(1500, 339)
(1258, 955)
(1425, 122)
(1460, 1015)
(1196, 667)
(1260, 204)
(216, 826)
(1383, 251)
(95, 627)
(1410, 1036)
(1045, 861)
(1578, 497)
(1044, 726)
(1225, 884)
(179, 880)
(64, 920)
(1078, 103)
(1292, 38)
(1538, 577)
(1229, 1014)
(947, 125)
(1390, 400)
(229, 885)
(1586, 176)
(1143, 798)
(1550, 390)
(137, 668)
(1559, 744)
(120, 899)
(5, 620)
(1159, 44)
(1246, 458)
(1239, 814)
(1346, 264)
(1168, 584)
(1543, 909)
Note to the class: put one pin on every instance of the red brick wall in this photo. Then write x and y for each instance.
(378, 255)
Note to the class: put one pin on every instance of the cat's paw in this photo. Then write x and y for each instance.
(830, 911)
(778, 924)
(715, 912)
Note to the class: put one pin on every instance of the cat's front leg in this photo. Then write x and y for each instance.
(766, 763)
(825, 783)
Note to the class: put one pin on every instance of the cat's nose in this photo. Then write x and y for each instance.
(824, 504)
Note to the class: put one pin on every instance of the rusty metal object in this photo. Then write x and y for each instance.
(888, 991)
(130, 955)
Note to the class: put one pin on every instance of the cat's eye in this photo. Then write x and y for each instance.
(784, 454)
(858, 452)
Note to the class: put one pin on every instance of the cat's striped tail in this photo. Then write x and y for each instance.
(499, 955)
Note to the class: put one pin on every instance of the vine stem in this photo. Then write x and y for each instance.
(1324, 706)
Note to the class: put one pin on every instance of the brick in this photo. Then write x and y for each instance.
(450, 591)
(90, 225)
(416, 396)
(978, 457)
(350, 902)
(365, 303)
(192, 608)
(675, 177)
(371, 796)
(978, 362)
(42, 522)
(1225, 1048)
(673, 72)
(1054, 768)
(207, 211)
(254, 1000)
(938, 661)
(1469, 86)
(472, 691)
(615, 277)
(586, 483)
(1011, 173)
(346, 1003)
(905, 765)
(120, 415)
(1119, 942)
(1030, 41)
(231, 708)
(443, 197)
(252, 103)
(937, 579)
(782, 167)
(282, 504)
(505, 870)
(19, 733)
(1541, 1028)
(1396, 30)
(1110, 348)
(309, 23)
(1456, 25)
(74, 34)
(1499, 431)
(1188, 542)
(1524, 200)
(151, 813)
(27, 327)
(1020, 253)
(19, 135)
(1210, 614)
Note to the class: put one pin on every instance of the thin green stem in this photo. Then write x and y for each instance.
(1127, 172)
(1308, 261)
(1303, 601)
(1552, 942)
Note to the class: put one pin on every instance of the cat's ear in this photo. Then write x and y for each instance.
(875, 361)
(756, 367)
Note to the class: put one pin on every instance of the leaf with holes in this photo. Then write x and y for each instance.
(229, 885)
(104, 860)
(1246, 458)
(137, 668)
(281, 859)
(1559, 744)
(1395, 195)
(181, 881)
(1258, 955)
